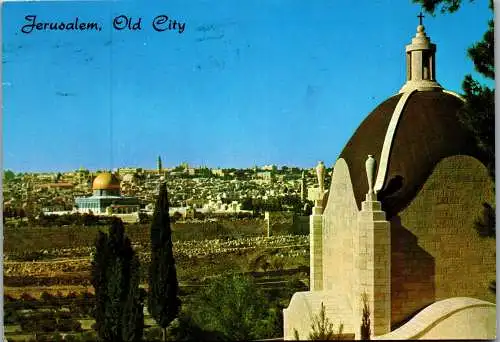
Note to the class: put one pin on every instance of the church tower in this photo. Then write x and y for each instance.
(420, 62)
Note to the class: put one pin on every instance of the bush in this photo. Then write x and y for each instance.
(184, 328)
(322, 328)
(365, 323)
(277, 263)
(144, 218)
(10, 316)
(234, 307)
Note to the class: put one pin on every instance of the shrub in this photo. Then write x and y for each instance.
(322, 328)
(10, 316)
(144, 218)
(234, 307)
(296, 334)
(365, 323)
(277, 263)
(184, 328)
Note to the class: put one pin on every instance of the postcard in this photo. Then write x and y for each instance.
(251, 170)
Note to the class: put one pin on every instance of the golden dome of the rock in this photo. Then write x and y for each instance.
(106, 181)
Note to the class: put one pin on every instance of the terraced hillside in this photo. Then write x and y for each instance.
(278, 264)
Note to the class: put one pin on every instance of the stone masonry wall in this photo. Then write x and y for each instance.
(436, 252)
(339, 234)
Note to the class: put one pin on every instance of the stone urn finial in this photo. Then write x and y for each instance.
(320, 172)
(370, 165)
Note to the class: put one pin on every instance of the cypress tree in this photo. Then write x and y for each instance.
(163, 301)
(115, 277)
(133, 315)
(99, 265)
(160, 168)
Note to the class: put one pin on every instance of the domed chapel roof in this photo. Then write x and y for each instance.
(106, 181)
(409, 133)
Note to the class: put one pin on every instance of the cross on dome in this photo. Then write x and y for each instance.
(420, 17)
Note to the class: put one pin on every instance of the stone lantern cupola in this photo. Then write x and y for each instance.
(420, 63)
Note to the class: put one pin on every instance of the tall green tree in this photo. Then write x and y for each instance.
(160, 167)
(478, 113)
(133, 313)
(115, 276)
(163, 300)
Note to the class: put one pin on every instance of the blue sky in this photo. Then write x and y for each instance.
(247, 82)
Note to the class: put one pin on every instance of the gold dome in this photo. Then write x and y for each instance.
(106, 181)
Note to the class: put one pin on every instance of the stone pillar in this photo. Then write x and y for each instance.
(316, 232)
(316, 249)
(374, 263)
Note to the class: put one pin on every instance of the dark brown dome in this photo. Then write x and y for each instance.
(428, 131)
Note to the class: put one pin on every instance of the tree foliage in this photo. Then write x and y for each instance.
(163, 300)
(365, 320)
(322, 328)
(8, 175)
(160, 167)
(478, 115)
(115, 276)
(482, 53)
(234, 307)
(445, 6)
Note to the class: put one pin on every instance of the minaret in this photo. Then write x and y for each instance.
(420, 62)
